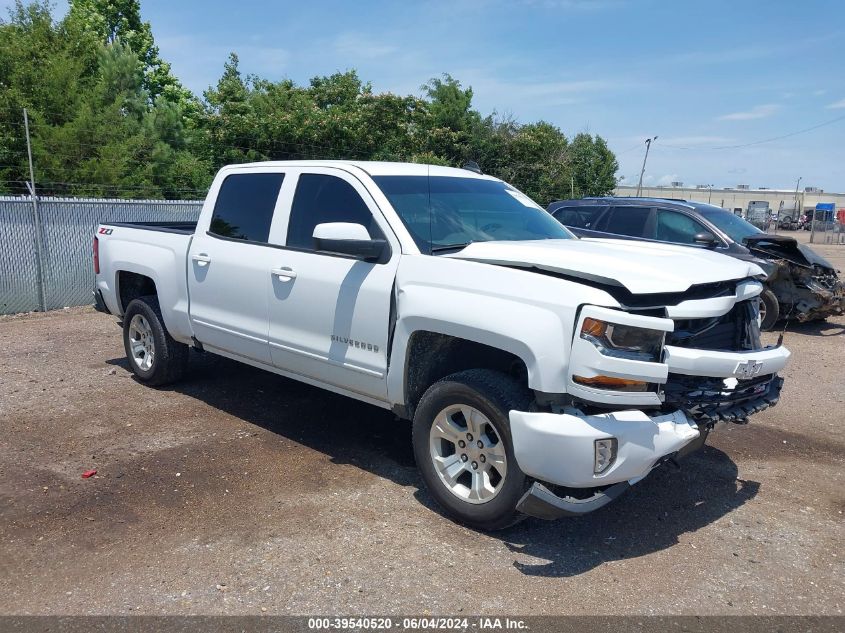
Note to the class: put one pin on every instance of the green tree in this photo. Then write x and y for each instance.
(113, 20)
(594, 166)
(109, 117)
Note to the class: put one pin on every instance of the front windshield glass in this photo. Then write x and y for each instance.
(445, 213)
(734, 226)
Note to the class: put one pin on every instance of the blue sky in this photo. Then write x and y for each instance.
(700, 75)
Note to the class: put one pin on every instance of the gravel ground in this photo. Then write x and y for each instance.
(240, 492)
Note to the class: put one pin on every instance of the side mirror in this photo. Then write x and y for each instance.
(346, 238)
(705, 239)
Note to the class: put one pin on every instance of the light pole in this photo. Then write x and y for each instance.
(648, 143)
(709, 193)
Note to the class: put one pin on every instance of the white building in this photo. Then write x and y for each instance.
(739, 197)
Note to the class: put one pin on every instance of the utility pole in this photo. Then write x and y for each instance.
(39, 256)
(648, 143)
(709, 193)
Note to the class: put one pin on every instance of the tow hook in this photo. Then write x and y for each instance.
(668, 459)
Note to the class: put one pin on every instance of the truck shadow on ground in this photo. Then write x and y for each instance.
(815, 328)
(652, 516)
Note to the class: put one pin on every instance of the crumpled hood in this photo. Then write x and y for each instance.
(783, 246)
(640, 267)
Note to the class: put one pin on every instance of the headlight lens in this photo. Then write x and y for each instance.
(623, 341)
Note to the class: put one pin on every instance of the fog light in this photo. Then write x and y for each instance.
(605, 454)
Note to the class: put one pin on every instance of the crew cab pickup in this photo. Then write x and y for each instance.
(544, 374)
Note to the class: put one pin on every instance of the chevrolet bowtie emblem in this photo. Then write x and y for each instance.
(748, 369)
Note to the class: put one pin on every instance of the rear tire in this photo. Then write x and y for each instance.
(154, 356)
(769, 310)
(479, 483)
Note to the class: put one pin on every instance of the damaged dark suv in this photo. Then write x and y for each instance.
(800, 285)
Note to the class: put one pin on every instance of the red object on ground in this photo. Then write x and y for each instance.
(89, 473)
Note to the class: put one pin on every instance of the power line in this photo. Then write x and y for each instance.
(761, 141)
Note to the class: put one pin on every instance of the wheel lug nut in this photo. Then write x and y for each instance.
(469, 436)
(482, 458)
(462, 444)
(475, 465)
(480, 444)
(464, 457)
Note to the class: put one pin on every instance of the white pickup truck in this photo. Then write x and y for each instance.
(543, 374)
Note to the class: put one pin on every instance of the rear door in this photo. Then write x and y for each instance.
(229, 265)
(329, 313)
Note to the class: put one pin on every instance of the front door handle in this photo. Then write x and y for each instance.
(202, 259)
(284, 273)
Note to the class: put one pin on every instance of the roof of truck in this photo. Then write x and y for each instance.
(373, 168)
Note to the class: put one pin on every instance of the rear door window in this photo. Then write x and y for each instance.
(629, 220)
(244, 206)
(580, 217)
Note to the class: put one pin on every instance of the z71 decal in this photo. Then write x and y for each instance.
(103, 231)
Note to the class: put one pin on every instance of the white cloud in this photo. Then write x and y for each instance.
(837, 105)
(685, 141)
(757, 112)
(650, 180)
(820, 93)
(667, 179)
(358, 46)
(505, 94)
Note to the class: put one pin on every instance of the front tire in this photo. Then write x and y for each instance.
(464, 450)
(769, 310)
(154, 356)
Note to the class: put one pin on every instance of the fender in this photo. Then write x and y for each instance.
(517, 311)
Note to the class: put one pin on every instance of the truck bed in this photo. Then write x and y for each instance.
(185, 228)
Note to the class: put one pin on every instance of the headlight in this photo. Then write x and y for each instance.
(623, 341)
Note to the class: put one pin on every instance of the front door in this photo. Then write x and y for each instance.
(330, 314)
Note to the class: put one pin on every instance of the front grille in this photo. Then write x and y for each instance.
(711, 400)
(732, 332)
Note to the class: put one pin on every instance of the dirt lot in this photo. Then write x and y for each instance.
(241, 492)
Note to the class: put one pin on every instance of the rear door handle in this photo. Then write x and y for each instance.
(284, 273)
(202, 259)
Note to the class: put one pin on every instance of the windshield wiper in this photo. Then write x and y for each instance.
(450, 247)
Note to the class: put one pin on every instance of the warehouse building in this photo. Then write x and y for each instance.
(739, 197)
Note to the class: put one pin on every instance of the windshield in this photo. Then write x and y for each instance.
(443, 212)
(734, 226)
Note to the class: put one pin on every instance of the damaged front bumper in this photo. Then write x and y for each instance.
(560, 448)
(820, 297)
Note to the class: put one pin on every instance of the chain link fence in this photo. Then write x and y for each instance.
(45, 248)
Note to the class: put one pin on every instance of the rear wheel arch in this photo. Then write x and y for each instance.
(131, 285)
